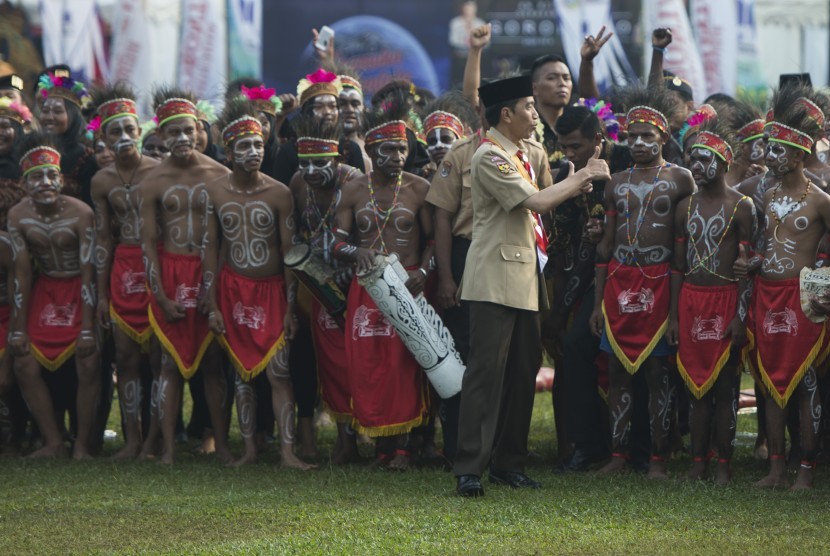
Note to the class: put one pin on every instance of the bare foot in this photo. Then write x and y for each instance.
(761, 451)
(657, 470)
(48, 451)
(723, 475)
(774, 480)
(697, 472)
(804, 480)
(380, 462)
(244, 460)
(293, 462)
(306, 438)
(128, 452)
(400, 461)
(208, 445)
(613, 467)
(81, 454)
(223, 454)
(166, 458)
(345, 455)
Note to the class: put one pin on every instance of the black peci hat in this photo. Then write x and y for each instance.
(11, 81)
(503, 90)
(678, 84)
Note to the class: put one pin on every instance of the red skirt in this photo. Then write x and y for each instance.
(254, 312)
(129, 297)
(54, 319)
(332, 370)
(186, 339)
(388, 394)
(636, 310)
(704, 313)
(787, 343)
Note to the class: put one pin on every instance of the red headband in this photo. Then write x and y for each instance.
(647, 115)
(115, 108)
(40, 157)
(444, 120)
(780, 133)
(311, 147)
(174, 108)
(390, 131)
(813, 111)
(709, 141)
(244, 126)
(751, 131)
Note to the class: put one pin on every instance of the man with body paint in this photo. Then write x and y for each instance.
(53, 317)
(317, 188)
(122, 294)
(707, 317)
(384, 212)
(174, 195)
(250, 226)
(631, 307)
(787, 345)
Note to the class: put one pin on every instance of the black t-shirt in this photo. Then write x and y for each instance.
(286, 162)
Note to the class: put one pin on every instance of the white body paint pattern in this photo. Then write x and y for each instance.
(248, 228)
(60, 231)
(180, 203)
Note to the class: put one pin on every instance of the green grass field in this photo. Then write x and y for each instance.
(200, 507)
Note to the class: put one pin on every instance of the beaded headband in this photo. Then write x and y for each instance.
(116, 108)
(14, 111)
(350, 82)
(39, 157)
(174, 108)
(813, 111)
(263, 100)
(443, 120)
(751, 131)
(780, 133)
(705, 113)
(62, 86)
(312, 147)
(647, 115)
(712, 142)
(390, 131)
(242, 127)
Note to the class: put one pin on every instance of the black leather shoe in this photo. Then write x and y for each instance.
(514, 479)
(469, 485)
(582, 460)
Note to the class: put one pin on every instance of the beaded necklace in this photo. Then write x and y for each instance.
(699, 261)
(376, 210)
(313, 209)
(642, 216)
(792, 209)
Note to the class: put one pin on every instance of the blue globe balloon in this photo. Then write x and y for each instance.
(381, 51)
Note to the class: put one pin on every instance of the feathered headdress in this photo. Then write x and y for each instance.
(93, 127)
(14, 111)
(703, 114)
(321, 82)
(263, 99)
(604, 113)
(51, 85)
(205, 111)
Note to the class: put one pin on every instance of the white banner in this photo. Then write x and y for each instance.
(750, 77)
(145, 46)
(715, 23)
(203, 57)
(682, 56)
(577, 19)
(72, 35)
(245, 38)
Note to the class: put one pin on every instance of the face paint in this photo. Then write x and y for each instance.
(122, 133)
(44, 185)
(756, 155)
(317, 172)
(777, 159)
(653, 148)
(180, 137)
(439, 142)
(391, 156)
(703, 166)
(53, 116)
(248, 152)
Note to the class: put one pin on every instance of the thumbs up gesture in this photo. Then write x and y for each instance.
(596, 169)
(741, 266)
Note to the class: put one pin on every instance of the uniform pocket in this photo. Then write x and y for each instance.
(517, 253)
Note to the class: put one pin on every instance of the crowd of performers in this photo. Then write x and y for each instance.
(674, 233)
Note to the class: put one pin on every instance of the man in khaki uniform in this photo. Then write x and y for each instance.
(502, 284)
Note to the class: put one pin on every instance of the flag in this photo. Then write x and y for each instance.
(245, 38)
(72, 35)
(203, 62)
(715, 24)
(682, 56)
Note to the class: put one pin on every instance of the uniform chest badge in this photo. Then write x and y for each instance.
(503, 166)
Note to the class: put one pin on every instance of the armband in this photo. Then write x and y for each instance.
(344, 248)
(680, 239)
(657, 48)
(610, 213)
